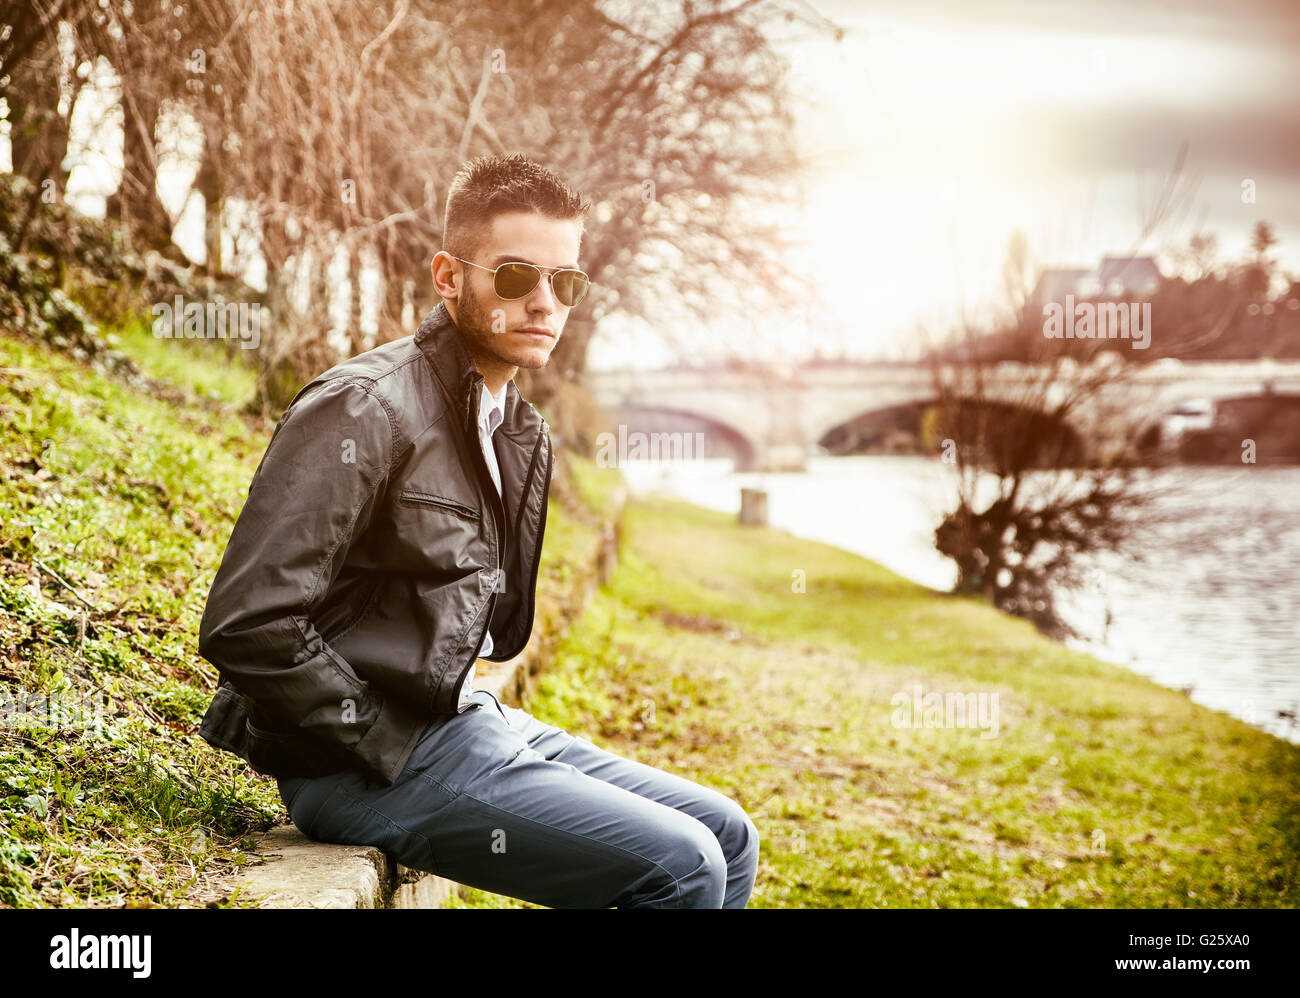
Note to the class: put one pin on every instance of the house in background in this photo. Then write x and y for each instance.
(1054, 283)
(1116, 278)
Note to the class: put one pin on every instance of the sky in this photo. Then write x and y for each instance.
(941, 128)
(935, 128)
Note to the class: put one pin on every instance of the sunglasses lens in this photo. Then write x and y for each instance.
(570, 286)
(514, 280)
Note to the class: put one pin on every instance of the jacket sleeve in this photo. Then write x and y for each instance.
(314, 493)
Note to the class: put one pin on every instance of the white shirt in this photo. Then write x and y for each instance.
(491, 412)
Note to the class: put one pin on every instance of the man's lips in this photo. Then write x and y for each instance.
(539, 331)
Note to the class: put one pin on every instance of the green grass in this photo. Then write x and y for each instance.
(1100, 789)
(115, 508)
(702, 657)
(172, 361)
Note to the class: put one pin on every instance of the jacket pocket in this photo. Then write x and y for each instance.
(283, 754)
(412, 498)
(265, 749)
(339, 622)
(223, 726)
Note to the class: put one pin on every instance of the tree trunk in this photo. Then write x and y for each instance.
(38, 138)
(208, 183)
(38, 133)
(135, 203)
(360, 341)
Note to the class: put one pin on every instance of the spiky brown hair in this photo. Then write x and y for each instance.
(493, 185)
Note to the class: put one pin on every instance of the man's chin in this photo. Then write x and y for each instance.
(533, 364)
(531, 360)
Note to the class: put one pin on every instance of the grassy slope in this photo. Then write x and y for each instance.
(129, 500)
(1101, 788)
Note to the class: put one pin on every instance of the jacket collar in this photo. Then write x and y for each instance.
(442, 342)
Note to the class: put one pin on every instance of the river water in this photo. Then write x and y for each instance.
(1213, 606)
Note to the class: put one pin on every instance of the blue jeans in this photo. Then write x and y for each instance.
(495, 799)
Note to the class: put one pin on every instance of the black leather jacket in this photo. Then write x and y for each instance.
(370, 558)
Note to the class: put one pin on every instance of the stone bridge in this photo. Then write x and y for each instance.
(775, 422)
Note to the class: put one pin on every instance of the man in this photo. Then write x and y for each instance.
(391, 536)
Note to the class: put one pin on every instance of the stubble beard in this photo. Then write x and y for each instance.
(475, 321)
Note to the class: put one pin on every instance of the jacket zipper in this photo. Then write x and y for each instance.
(483, 637)
(541, 533)
(528, 479)
(424, 499)
(498, 507)
(537, 551)
(485, 476)
(481, 463)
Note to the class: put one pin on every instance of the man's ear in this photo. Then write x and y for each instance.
(443, 270)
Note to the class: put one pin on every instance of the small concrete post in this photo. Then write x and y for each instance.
(607, 556)
(753, 507)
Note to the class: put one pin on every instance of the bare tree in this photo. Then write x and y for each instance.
(1038, 491)
(676, 120)
(335, 125)
(1030, 502)
(38, 92)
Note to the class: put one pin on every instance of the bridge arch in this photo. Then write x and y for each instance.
(1219, 430)
(719, 438)
(1057, 441)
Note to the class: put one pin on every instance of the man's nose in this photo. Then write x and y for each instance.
(543, 297)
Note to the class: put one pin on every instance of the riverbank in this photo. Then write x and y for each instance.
(783, 673)
(746, 659)
(1206, 607)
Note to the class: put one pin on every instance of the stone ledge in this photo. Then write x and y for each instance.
(301, 873)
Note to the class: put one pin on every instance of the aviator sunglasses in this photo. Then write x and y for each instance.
(512, 281)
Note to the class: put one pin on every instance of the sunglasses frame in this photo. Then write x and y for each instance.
(547, 272)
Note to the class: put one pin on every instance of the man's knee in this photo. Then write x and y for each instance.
(736, 832)
(689, 872)
(742, 837)
(700, 855)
